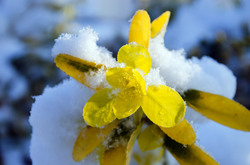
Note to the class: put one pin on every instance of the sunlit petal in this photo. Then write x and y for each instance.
(140, 28)
(125, 78)
(158, 26)
(182, 133)
(127, 102)
(163, 106)
(98, 111)
(135, 56)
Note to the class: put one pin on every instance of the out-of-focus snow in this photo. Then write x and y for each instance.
(100, 8)
(37, 22)
(10, 79)
(202, 19)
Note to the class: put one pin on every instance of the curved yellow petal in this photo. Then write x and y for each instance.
(219, 109)
(158, 26)
(122, 153)
(89, 138)
(163, 106)
(182, 133)
(151, 138)
(127, 102)
(188, 155)
(98, 111)
(140, 28)
(75, 67)
(125, 78)
(135, 56)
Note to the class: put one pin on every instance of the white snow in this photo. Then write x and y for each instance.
(83, 45)
(183, 74)
(56, 119)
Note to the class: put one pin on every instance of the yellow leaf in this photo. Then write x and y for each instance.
(121, 154)
(163, 106)
(89, 138)
(126, 78)
(127, 102)
(75, 67)
(158, 26)
(151, 138)
(135, 56)
(140, 28)
(182, 133)
(188, 155)
(98, 111)
(219, 109)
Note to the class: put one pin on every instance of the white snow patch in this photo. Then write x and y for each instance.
(183, 74)
(83, 45)
(56, 119)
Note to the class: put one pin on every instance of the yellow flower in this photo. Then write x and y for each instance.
(161, 104)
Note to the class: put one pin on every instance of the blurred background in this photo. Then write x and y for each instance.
(216, 28)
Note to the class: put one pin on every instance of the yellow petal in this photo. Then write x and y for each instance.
(135, 56)
(182, 133)
(127, 102)
(140, 28)
(158, 26)
(98, 111)
(163, 106)
(219, 109)
(125, 78)
(121, 154)
(188, 155)
(75, 67)
(89, 138)
(151, 138)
